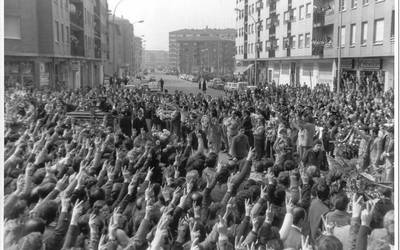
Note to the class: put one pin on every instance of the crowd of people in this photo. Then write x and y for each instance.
(275, 168)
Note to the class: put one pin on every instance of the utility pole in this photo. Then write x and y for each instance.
(339, 69)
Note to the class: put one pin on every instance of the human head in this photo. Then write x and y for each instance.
(341, 201)
(299, 215)
(322, 190)
(328, 242)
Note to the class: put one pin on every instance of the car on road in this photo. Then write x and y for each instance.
(217, 83)
(238, 86)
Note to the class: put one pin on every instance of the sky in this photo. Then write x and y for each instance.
(162, 16)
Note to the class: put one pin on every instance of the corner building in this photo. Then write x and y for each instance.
(297, 41)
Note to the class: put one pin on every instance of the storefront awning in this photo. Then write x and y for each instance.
(242, 69)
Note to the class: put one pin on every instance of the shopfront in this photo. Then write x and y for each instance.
(19, 73)
(371, 72)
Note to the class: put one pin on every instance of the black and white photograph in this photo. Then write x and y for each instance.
(199, 124)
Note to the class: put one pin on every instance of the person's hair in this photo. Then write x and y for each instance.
(48, 211)
(328, 242)
(96, 195)
(223, 175)
(34, 225)
(322, 190)
(380, 209)
(341, 201)
(18, 209)
(298, 214)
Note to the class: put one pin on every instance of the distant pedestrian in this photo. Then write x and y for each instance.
(204, 86)
(200, 81)
(126, 80)
(162, 84)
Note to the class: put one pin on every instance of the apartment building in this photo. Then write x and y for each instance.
(121, 61)
(206, 55)
(55, 43)
(154, 59)
(137, 54)
(297, 41)
(175, 36)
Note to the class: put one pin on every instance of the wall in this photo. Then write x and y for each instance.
(29, 42)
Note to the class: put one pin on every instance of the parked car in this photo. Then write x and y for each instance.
(217, 83)
(238, 86)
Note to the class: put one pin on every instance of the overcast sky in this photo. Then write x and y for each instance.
(162, 16)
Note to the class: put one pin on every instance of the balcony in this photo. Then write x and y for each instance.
(77, 42)
(76, 13)
(97, 48)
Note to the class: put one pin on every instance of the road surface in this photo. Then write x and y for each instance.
(172, 83)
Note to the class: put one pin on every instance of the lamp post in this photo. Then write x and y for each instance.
(339, 50)
(256, 46)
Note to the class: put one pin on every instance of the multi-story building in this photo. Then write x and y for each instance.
(175, 36)
(55, 43)
(155, 59)
(137, 54)
(121, 62)
(297, 42)
(206, 55)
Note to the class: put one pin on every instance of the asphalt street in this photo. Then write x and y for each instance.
(172, 83)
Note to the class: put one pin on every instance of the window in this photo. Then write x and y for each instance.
(301, 10)
(67, 32)
(342, 5)
(307, 40)
(354, 4)
(342, 38)
(364, 33)
(293, 42)
(365, 2)
(378, 30)
(301, 40)
(293, 15)
(12, 27)
(62, 33)
(285, 43)
(353, 34)
(392, 25)
(260, 46)
(308, 10)
(57, 32)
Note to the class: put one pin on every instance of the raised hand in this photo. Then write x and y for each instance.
(327, 226)
(366, 214)
(65, 202)
(77, 211)
(269, 216)
(126, 174)
(149, 174)
(356, 206)
(289, 205)
(62, 183)
(305, 245)
(264, 190)
(248, 207)
(251, 154)
(92, 223)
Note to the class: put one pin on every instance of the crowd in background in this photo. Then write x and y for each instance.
(275, 168)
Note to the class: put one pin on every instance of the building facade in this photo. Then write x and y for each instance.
(199, 55)
(306, 41)
(137, 54)
(175, 36)
(121, 62)
(155, 59)
(55, 43)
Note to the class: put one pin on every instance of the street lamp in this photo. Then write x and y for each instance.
(256, 45)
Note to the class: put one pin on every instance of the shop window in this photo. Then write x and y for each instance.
(57, 32)
(392, 25)
(12, 27)
(378, 31)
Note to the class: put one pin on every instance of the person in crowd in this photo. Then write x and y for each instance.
(75, 182)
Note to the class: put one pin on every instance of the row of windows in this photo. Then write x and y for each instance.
(354, 3)
(378, 33)
(304, 12)
(301, 41)
(62, 33)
